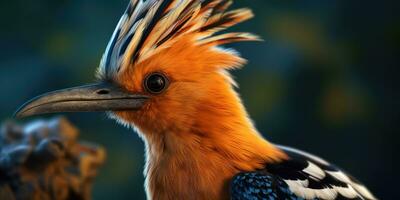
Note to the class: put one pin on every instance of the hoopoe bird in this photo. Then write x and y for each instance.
(165, 73)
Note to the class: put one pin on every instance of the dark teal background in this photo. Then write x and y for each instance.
(325, 80)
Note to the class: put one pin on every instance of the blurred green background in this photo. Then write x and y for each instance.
(325, 80)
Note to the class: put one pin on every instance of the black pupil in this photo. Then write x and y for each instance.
(155, 83)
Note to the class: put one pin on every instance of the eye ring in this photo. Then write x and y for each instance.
(156, 83)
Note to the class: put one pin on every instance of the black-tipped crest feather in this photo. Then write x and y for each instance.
(149, 26)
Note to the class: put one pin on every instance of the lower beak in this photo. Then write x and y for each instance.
(88, 98)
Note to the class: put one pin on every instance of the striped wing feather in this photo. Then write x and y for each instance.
(302, 176)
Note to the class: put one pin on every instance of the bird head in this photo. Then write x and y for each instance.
(163, 65)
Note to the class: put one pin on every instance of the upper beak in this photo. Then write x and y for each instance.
(95, 97)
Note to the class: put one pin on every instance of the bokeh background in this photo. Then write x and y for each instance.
(325, 80)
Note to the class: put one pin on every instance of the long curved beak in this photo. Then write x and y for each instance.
(88, 98)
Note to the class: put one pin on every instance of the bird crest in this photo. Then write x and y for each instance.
(149, 26)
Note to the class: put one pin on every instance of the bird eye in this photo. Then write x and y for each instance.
(156, 83)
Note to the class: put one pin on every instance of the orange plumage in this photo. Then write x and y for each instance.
(199, 125)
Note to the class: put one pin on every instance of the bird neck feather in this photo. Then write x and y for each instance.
(202, 158)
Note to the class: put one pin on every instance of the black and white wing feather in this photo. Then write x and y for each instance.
(303, 176)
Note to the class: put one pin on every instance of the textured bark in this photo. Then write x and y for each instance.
(43, 160)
